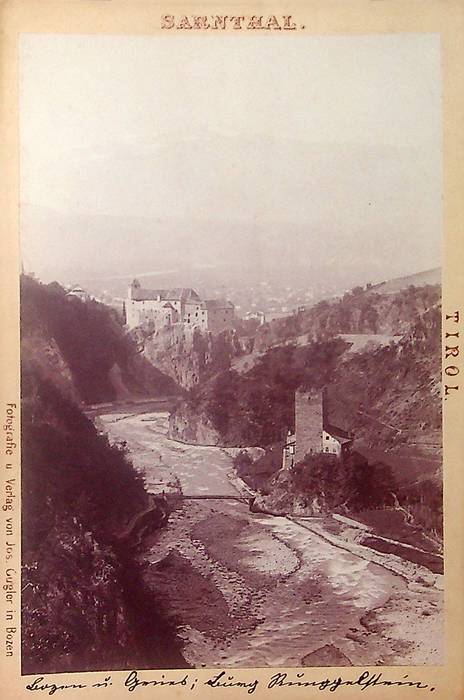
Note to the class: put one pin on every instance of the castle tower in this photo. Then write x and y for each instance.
(132, 314)
(133, 287)
(309, 422)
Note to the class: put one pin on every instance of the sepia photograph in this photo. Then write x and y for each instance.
(230, 319)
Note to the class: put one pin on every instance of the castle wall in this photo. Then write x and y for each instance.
(219, 319)
(308, 423)
(138, 312)
(178, 305)
(188, 309)
(194, 316)
(212, 319)
(132, 313)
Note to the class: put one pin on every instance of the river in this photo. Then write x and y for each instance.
(248, 589)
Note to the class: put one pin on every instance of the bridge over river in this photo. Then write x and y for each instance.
(250, 589)
(210, 497)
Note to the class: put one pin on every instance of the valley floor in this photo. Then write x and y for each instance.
(248, 589)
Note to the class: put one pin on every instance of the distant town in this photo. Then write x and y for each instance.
(260, 300)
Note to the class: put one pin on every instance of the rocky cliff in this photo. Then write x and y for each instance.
(193, 427)
(256, 407)
(188, 355)
(391, 396)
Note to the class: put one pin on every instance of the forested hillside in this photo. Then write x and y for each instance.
(398, 384)
(83, 347)
(255, 408)
(367, 311)
(388, 395)
(391, 396)
(84, 603)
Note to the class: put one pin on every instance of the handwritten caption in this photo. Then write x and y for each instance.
(9, 506)
(223, 679)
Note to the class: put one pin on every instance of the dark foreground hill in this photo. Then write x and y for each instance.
(82, 346)
(84, 509)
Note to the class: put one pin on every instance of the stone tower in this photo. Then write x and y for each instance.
(309, 422)
(133, 288)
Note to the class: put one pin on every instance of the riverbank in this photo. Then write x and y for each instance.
(248, 589)
(270, 604)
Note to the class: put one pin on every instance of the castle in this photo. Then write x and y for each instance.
(165, 307)
(314, 434)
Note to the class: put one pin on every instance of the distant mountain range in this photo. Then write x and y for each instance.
(260, 206)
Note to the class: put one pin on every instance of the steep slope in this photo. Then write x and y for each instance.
(391, 396)
(82, 347)
(396, 384)
(189, 356)
(368, 311)
(84, 600)
(255, 408)
(82, 589)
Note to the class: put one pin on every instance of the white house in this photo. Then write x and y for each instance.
(77, 292)
(314, 434)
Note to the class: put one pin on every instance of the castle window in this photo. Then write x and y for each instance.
(327, 437)
(326, 449)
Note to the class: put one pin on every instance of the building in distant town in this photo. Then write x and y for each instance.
(314, 434)
(77, 292)
(258, 315)
(165, 307)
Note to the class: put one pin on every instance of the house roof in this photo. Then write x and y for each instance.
(342, 440)
(182, 293)
(75, 291)
(254, 314)
(342, 435)
(176, 294)
(210, 304)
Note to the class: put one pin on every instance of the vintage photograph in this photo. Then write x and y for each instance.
(231, 399)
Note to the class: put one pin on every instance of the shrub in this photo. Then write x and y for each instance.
(351, 484)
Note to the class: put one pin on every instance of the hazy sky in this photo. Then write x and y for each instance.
(228, 146)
